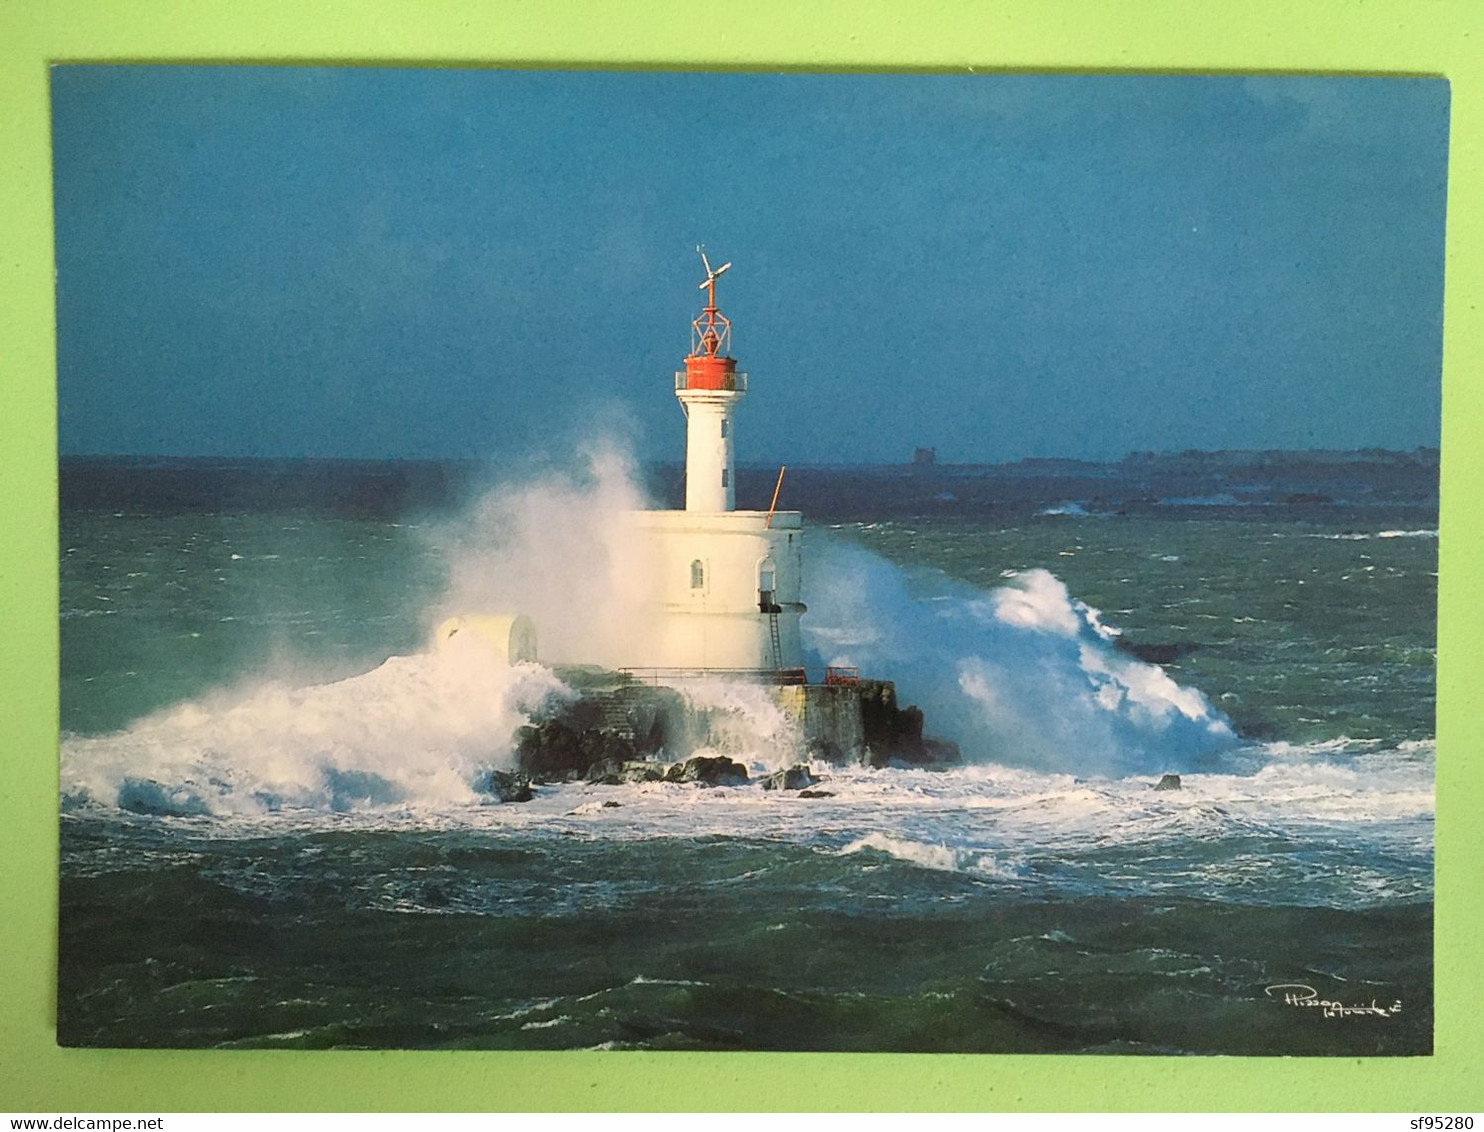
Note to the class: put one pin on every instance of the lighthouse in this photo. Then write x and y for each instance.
(710, 592)
(726, 589)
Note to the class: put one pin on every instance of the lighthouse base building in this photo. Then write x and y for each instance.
(726, 592)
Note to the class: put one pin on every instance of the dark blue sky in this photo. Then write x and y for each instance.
(363, 262)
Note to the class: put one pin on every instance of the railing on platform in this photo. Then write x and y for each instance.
(841, 676)
(732, 382)
(657, 676)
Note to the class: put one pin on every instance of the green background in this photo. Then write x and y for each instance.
(1441, 37)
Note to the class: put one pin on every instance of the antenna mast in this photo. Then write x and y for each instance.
(711, 333)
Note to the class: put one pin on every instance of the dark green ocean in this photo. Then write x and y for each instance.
(272, 833)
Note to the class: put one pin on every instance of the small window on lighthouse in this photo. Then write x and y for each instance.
(724, 423)
(697, 575)
(724, 477)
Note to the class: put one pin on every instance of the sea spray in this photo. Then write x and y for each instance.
(560, 550)
(417, 731)
(1022, 674)
(745, 723)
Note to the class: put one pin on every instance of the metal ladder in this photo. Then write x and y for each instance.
(777, 642)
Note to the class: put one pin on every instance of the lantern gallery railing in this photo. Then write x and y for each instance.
(732, 382)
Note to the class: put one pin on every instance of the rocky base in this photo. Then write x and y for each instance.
(619, 731)
(505, 787)
(893, 735)
(797, 777)
(712, 770)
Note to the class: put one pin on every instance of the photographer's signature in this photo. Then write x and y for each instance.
(1301, 994)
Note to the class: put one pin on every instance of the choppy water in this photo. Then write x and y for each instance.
(271, 835)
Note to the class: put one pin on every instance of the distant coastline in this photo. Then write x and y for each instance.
(1142, 483)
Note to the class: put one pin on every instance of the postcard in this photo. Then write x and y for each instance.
(746, 562)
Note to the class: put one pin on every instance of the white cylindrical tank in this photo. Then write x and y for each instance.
(510, 636)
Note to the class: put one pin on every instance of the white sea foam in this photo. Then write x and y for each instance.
(415, 731)
(1312, 825)
(941, 857)
(1023, 674)
(1362, 536)
(1297, 825)
(746, 723)
(547, 1023)
(1072, 509)
(1317, 826)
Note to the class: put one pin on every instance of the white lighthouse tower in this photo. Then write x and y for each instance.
(709, 390)
(726, 598)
